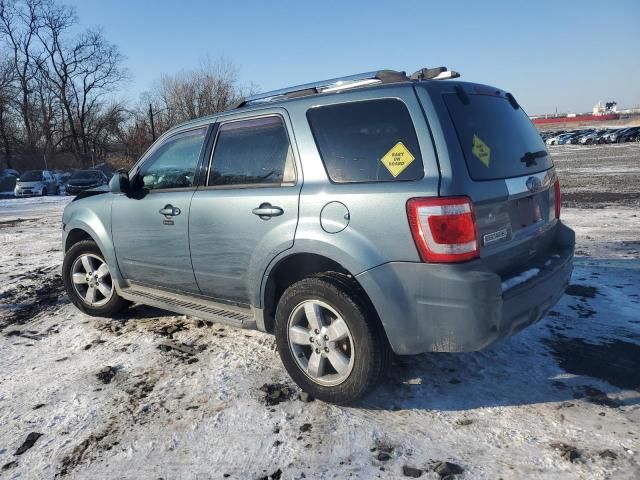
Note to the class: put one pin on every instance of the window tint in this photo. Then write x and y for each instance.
(173, 164)
(250, 152)
(498, 141)
(32, 176)
(372, 141)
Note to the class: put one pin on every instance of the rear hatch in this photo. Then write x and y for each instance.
(510, 176)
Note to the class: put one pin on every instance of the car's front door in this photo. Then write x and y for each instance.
(150, 226)
(247, 211)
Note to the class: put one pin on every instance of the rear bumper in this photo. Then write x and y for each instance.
(461, 308)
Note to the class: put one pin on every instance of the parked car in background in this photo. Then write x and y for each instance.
(106, 169)
(629, 135)
(36, 182)
(8, 177)
(62, 175)
(82, 180)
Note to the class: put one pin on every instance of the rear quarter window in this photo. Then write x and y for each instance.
(370, 141)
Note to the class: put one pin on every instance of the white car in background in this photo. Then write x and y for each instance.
(36, 182)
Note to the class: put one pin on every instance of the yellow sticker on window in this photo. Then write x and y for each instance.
(481, 150)
(397, 159)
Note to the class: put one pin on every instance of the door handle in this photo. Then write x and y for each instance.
(169, 211)
(265, 211)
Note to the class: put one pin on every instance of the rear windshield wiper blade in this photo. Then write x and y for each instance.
(530, 157)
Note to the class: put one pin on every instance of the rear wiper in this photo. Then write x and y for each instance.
(529, 158)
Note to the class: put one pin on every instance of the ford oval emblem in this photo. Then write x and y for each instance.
(534, 184)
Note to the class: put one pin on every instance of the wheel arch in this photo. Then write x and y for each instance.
(87, 225)
(297, 266)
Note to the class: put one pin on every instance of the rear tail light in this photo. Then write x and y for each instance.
(444, 229)
(558, 197)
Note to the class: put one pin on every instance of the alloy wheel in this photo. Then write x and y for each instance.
(321, 342)
(91, 280)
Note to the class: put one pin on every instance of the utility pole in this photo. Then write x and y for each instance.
(153, 128)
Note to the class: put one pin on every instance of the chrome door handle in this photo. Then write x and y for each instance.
(265, 211)
(169, 211)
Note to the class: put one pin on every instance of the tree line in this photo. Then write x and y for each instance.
(59, 105)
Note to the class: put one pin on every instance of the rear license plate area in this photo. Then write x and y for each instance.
(526, 212)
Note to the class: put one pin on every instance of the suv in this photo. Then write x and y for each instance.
(351, 218)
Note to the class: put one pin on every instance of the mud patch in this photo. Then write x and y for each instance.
(27, 301)
(13, 222)
(276, 393)
(615, 362)
(590, 199)
(584, 291)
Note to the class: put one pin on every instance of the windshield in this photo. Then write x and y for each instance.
(498, 141)
(32, 176)
(86, 175)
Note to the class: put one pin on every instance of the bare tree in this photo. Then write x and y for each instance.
(211, 88)
(6, 94)
(19, 24)
(83, 70)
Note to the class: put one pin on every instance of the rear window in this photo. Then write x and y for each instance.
(498, 141)
(371, 141)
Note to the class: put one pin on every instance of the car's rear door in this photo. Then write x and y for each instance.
(246, 211)
(496, 156)
(150, 227)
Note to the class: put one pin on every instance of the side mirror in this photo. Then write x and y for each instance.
(119, 183)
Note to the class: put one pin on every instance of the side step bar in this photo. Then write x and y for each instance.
(188, 305)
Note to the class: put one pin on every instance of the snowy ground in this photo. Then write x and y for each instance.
(559, 400)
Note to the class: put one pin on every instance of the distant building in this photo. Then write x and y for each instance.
(607, 109)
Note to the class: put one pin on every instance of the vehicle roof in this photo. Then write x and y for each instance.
(329, 97)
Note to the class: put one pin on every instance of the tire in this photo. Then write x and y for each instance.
(365, 345)
(104, 306)
(45, 192)
(58, 190)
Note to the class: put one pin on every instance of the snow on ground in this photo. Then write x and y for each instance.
(559, 400)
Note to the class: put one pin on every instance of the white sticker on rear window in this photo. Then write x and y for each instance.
(481, 150)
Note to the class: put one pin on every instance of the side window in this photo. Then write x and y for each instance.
(173, 164)
(370, 141)
(252, 152)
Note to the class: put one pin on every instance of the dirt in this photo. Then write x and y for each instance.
(584, 291)
(277, 393)
(29, 299)
(598, 176)
(29, 442)
(616, 362)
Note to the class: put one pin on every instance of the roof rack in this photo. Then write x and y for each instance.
(344, 83)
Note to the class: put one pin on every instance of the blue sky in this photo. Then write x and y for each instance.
(564, 54)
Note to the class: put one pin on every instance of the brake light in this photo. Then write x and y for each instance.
(444, 229)
(558, 195)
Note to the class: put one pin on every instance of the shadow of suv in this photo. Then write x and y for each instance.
(351, 218)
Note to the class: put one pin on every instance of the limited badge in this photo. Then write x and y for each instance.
(397, 159)
(481, 150)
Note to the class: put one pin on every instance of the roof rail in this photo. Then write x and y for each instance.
(344, 83)
(331, 85)
(438, 73)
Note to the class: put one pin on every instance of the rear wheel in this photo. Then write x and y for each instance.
(329, 340)
(88, 282)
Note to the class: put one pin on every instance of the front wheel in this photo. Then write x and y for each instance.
(329, 339)
(44, 192)
(88, 281)
(58, 190)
